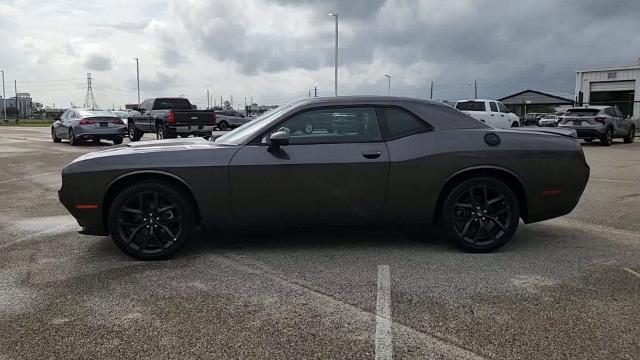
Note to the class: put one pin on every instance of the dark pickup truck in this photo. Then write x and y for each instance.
(168, 118)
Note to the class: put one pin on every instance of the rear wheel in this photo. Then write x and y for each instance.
(607, 138)
(117, 140)
(223, 126)
(480, 214)
(588, 140)
(150, 221)
(160, 132)
(630, 136)
(72, 138)
(54, 137)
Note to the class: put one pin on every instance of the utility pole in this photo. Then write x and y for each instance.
(336, 54)
(221, 102)
(138, 79)
(208, 103)
(315, 91)
(231, 100)
(475, 88)
(309, 94)
(15, 86)
(4, 99)
(431, 93)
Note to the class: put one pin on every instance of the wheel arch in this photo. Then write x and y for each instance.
(507, 176)
(123, 181)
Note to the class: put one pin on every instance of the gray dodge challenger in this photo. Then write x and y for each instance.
(323, 161)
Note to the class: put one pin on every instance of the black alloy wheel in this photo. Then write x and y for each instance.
(223, 126)
(150, 221)
(481, 214)
(607, 139)
(630, 136)
(134, 135)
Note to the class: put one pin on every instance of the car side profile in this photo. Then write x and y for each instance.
(491, 112)
(393, 160)
(230, 119)
(78, 125)
(549, 120)
(603, 123)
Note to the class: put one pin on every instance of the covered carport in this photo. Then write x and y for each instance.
(534, 101)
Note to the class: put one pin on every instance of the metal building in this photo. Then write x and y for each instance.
(618, 85)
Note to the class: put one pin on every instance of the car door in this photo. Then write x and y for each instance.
(618, 130)
(508, 116)
(321, 177)
(625, 124)
(496, 118)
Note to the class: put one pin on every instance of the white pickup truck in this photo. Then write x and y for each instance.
(491, 112)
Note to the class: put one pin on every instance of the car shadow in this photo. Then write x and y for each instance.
(339, 237)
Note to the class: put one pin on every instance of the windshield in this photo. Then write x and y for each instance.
(549, 117)
(250, 129)
(583, 112)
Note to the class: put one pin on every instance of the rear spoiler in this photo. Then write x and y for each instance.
(556, 131)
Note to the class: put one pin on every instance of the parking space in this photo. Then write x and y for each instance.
(566, 288)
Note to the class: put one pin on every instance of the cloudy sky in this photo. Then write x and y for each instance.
(275, 51)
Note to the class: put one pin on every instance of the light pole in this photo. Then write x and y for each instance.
(336, 54)
(138, 79)
(4, 99)
(389, 83)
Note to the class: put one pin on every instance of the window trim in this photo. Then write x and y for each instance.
(257, 139)
(495, 108)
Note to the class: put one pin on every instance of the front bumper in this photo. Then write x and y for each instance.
(88, 214)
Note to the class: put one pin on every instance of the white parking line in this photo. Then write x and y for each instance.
(28, 177)
(614, 180)
(631, 272)
(384, 343)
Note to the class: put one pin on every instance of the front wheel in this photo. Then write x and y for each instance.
(480, 214)
(630, 136)
(117, 140)
(515, 124)
(72, 138)
(151, 221)
(160, 132)
(223, 126)
(54, 137)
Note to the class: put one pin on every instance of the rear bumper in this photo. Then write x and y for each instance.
(197, 130)
(99, 133)
(588, 132)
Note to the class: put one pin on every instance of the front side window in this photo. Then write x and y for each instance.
(494, 107)
(332, 126)
(502, 108)
(396, 123)
(610, 112)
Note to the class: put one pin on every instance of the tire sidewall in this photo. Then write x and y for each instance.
(175, 195)
(457, 190)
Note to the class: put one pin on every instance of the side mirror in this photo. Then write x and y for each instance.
(278, 139)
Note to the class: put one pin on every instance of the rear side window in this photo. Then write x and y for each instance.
(396, 123)
(471, 106)
(610, 112)
(168, 104)
(583, 112)
(494, 107)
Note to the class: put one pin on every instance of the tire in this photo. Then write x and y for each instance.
(631, 135)
(223, 126)
(515, 124)
(143, 231)
(480, 214)
(54, 137)
(607, 138)
(117, 140)
(588, 140)
(160, 132)
(134, 134)
(72, 138)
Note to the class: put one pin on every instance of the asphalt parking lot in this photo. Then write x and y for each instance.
(566, 288)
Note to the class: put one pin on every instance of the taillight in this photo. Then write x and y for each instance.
(599, 119)
(214, 119)
(86, 122)
(118, 121)
(171, 117)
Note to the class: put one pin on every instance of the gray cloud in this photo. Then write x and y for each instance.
(98, 62)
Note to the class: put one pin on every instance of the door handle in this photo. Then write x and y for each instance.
(371, 154)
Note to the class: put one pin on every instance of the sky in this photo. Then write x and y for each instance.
(276, 51)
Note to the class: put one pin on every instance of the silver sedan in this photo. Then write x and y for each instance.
(78, 125)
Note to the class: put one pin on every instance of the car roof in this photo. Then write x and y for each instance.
(464, 100)
(594, 107)
(370, 99)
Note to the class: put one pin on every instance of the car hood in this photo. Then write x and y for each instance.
(154, 146)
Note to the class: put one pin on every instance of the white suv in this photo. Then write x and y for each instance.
(491, 112)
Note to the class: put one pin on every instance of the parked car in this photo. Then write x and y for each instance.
(403, 161)
(229, 119)
(604, 123)
(168, 118)
(78, 125)
(491, 112)
(549, 120)
(123, 115)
